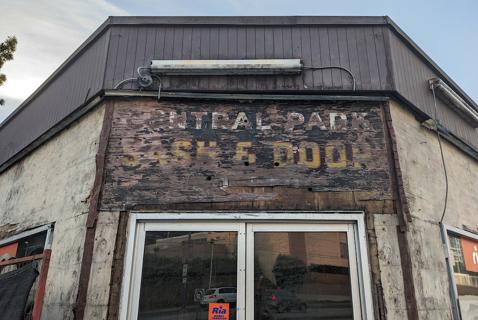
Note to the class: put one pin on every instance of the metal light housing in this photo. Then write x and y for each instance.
(454, 100)
(226, 67)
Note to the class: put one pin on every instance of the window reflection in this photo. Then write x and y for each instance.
(465, 269)
(185, 271)
(302, 275)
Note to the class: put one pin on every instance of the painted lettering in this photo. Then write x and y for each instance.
(259, 125)
(206, 151)
(198, 118)
(130, 160)
(338, 121)
(160, 155)
(241, 121)
(335, 155)
(315, 121)
(181, 150)
(293, 119)
(243, 152)
(220, 120)
(359, 121)
(309, 154)
(283, 153)
(177, 120)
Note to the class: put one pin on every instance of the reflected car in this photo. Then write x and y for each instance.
(219, 295)
(282, 300)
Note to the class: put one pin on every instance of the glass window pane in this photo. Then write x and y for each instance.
(302, 275)
(185, 271)
(464, 260)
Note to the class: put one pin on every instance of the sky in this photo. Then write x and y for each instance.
(48, 31)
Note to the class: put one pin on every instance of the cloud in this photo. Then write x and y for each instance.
(47, 32)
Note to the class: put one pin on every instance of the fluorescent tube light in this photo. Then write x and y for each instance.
(226, 67)
(454, 100)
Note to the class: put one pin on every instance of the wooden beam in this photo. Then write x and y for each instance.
(20, 260)
(40, 293)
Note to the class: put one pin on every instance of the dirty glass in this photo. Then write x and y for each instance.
(301, 275)
(185, 271)
(464, 260)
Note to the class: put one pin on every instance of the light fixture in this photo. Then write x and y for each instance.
(226, 67)
(454, 100)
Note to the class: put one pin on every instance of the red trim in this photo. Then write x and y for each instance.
(40, 293)
(89, 244)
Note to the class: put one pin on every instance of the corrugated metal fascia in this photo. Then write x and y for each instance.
(429, 61)
(89, 41)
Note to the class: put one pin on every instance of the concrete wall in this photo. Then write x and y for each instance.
(53, 184)
(390, 268)
(100, 276)
(424, 184)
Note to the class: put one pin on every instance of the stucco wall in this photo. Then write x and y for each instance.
(53, 184)
(424, 185)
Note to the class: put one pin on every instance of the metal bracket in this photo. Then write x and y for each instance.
(159, 88)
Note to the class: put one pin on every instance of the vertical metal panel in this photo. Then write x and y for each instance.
(274, 42)
(353, 55)
(411, 75)
(120, 60)
(325, 55)
(272, 50)
(385, 83)
(334, 58)
(308, 77)
(360, 48)
(112, 57)
(241, 54)
(261, 82)
(372, 58)
(79, 80)
(316, 57)
(344, 56)
(365, 78)
(296, 52)
(215, 83)
(251, 54)
(177, 52)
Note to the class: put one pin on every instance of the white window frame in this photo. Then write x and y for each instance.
(447, 229)
(351, 222)
(19, 236)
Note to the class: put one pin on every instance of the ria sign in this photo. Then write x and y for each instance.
(470, 254)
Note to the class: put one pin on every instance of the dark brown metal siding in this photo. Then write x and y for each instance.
(80, 80)
(359, 48)
(411, 75)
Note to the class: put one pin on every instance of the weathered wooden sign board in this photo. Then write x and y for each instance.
(170, 152)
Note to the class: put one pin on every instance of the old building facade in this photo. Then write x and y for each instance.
(347, 189)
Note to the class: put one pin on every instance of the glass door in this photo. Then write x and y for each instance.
(258, 270)
(182, 268)
(301, 271)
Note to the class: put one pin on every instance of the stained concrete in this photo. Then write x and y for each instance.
(424, 184)
(100, 276)
(390, 265)
(52, 185)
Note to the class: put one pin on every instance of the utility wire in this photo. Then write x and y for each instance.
(122, 82)
(441, 154)
(335, 67)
